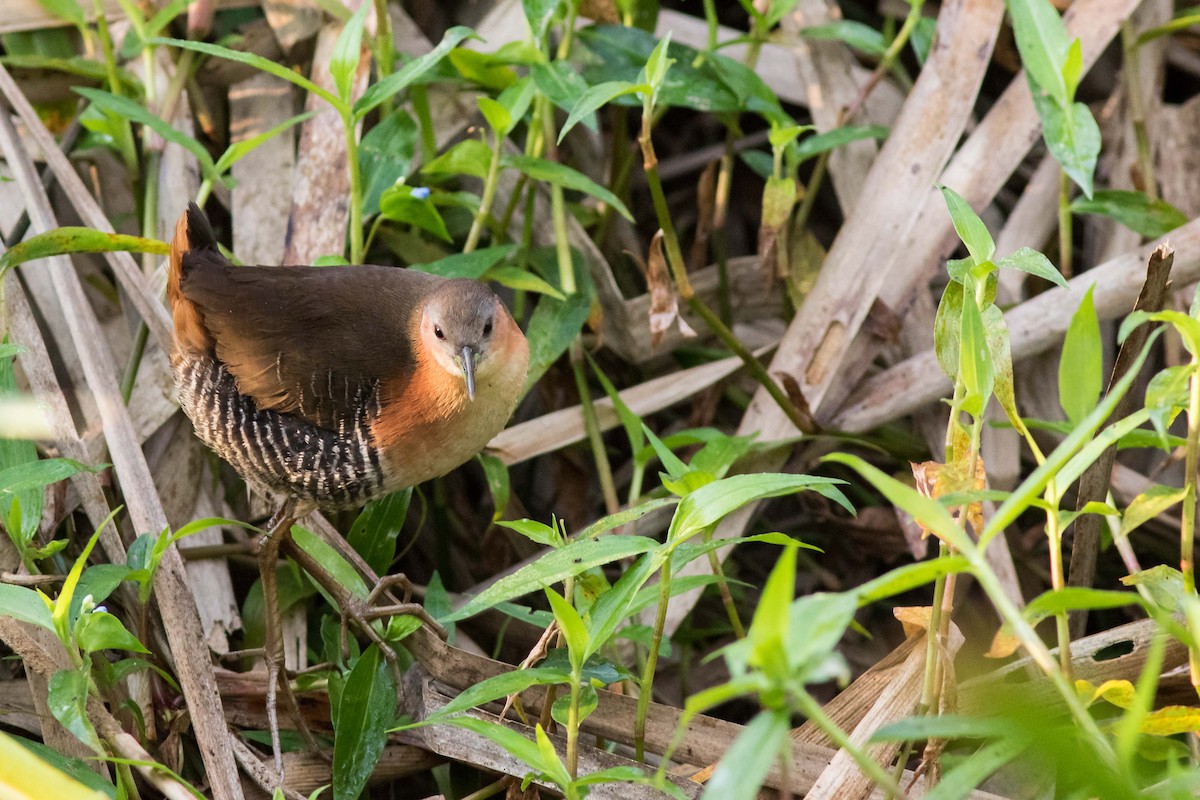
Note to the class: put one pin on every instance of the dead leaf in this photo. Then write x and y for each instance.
(664, 304)
(936, 480)
(915, 619)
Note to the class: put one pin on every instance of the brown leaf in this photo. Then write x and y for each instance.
(935, 480)
(664, 305)
(915, 619)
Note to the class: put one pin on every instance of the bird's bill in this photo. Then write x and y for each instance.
(467, 357)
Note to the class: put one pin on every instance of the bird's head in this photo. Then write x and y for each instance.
(463, 326)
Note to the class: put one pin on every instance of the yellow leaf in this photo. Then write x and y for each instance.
(1004, 644)
(915, 619)
(1170, 720)
(1119, 693)
(24, 776)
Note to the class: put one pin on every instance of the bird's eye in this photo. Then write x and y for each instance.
(437, 331)
(487, 328)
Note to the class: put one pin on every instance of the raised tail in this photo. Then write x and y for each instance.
(192, 245)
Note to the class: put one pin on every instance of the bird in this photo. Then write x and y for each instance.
(337, 385)
(333, 386)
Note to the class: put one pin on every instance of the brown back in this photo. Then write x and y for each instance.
(303, 340)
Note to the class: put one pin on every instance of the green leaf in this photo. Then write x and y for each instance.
(572, 627)
(1164, 585)
(62, 241)
(962, 779)
(1087, 455)
(595, 97)
(495, 471)
(467, 265)
(1081, 368)
(62, 604)
(657, 65)
(1148, 505)
(258, 62)
(816, 623)
(366, 711)
(606, 524)
(377, 527)
(385, 156)
(517, 278)
(849, 32)
(515, 745)
(135, 112)
(1036, 482)
(67, 10)
(347, 53)
(1071, 598)
(909, 577)
(559, 82)
(1043, 42)
(744, 767)
(410, 72)
(812, 146)
(540, 13)
(712, 502)
(399, 204)
(33, 768)
(975, 366)
(468, 157)
(1073, 138)
(67, 700)
(25, 605)
(555, 566)
(947, 327)
(506, 683)
(558, 174)
(239, 150)
(331, 560)
(97, 582)
(1033, 262)
(537, 532)
(1000, 348)
(969, 226)
(1134, 210)
(768, 631)
(99, 630)
(497, 116)
(554, 323)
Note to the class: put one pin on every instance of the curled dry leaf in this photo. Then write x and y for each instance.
(915, 619)
(664, 305)
(934, 479)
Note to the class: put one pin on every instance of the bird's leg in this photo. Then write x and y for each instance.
(278, 531)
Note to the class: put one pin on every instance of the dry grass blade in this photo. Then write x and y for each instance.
(174, 596)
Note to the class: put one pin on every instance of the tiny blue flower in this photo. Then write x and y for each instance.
(421, 192)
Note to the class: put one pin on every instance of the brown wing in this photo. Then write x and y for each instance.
(306, 340)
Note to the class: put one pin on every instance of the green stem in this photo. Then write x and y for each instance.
(812, 709)
(125, 143)
(889, 59)
(489, 194)
(800, 221)
(135, 359)
(1064, 223)
(418, 95)
(573, 724)
(646, 685)
(714, 563)
(356, 198)
(385, 49)
(590, 424)
(1187, 530)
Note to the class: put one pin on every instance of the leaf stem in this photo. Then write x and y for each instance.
(1064, 223)
(1187, 530)
(812, 709)
(603, 468)
(646, 685)
(356, 198)
(489, 194)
